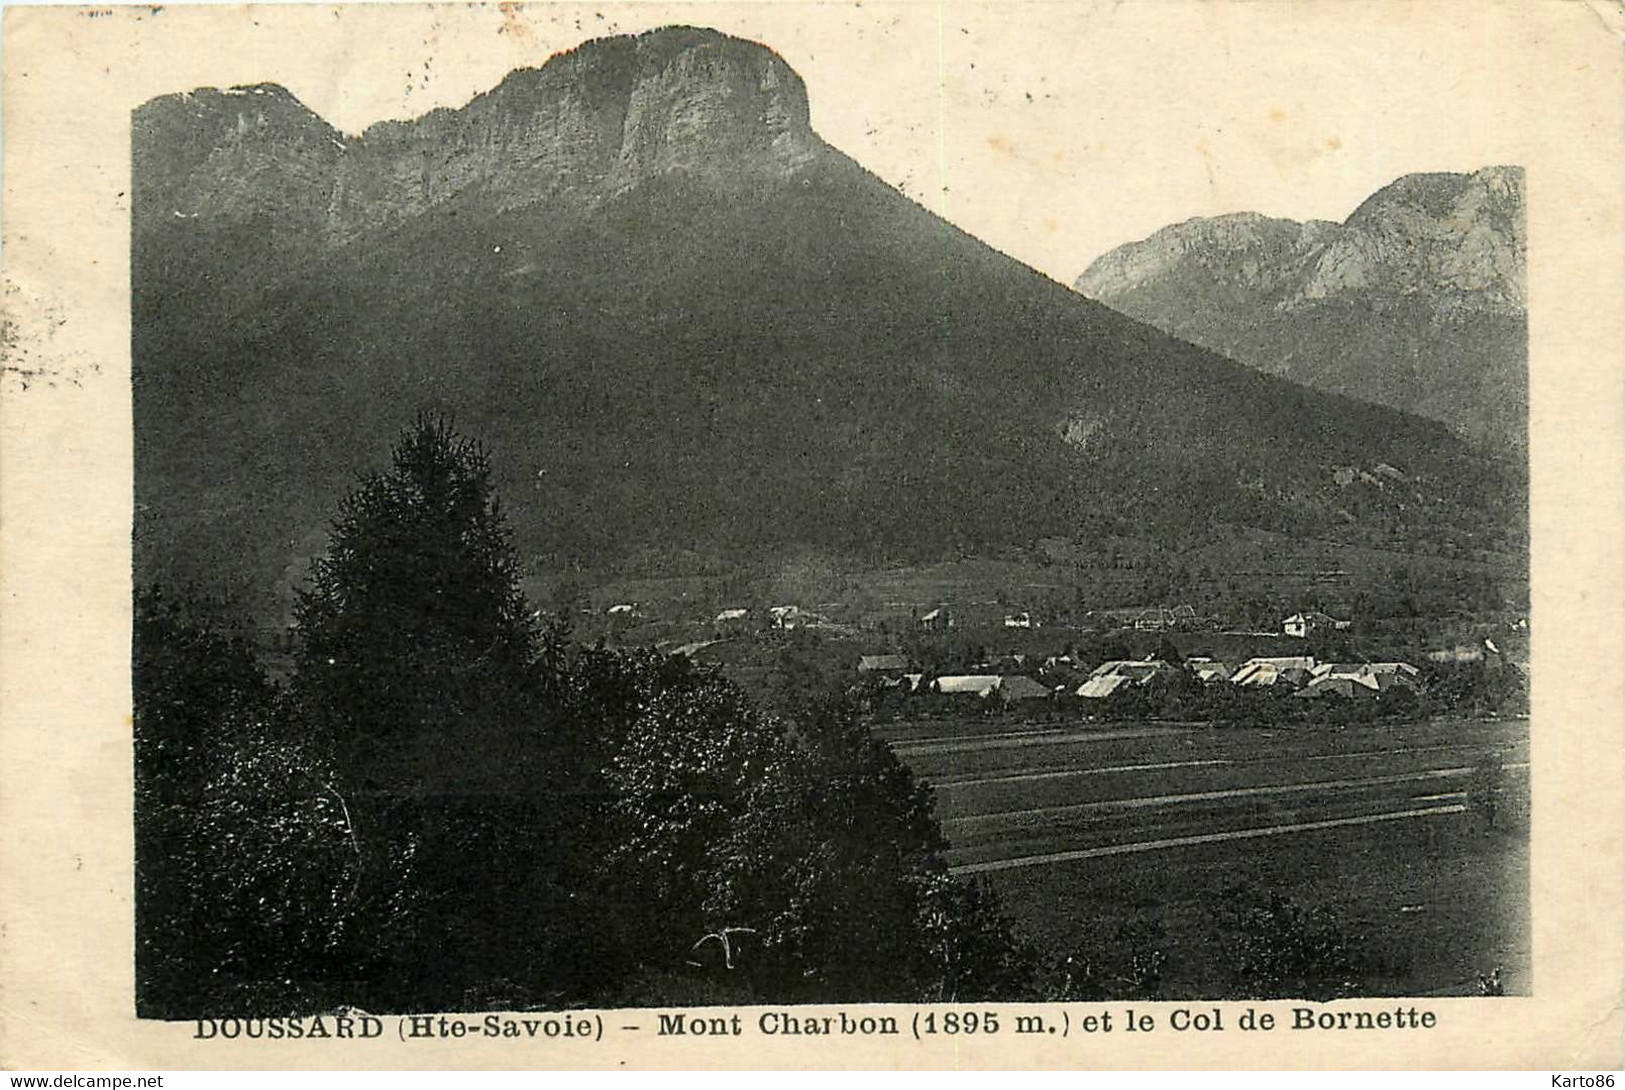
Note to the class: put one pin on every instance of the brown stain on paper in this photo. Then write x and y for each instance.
(513, 21)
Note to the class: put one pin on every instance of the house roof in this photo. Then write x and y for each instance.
(1336, 686)
(1207, 670)
(733, 614)
(1366, 668)
(1349, 685)
(867, 663)
(1019, 687)
(1098, 688)
(1327, 669)
(974, 684)
(1273, 671)
(1314, 616)
(933, 615)
(1383, 682)
(1139, 671)
(1284, 662)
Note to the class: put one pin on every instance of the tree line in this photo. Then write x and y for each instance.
(449, 804)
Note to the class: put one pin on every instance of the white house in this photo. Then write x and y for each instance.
(978, 685)
(1302, 625)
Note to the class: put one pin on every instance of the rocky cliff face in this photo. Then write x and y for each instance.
(1245, 250)
(1416, 300)
(1457, 240)
(586, 125)
(234, 154)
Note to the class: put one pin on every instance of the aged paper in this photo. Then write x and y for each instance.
(1426, 86)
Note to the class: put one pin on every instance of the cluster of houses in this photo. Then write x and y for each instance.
(785, 617)
(1300, 675)
(1157, 619)
(739, 620)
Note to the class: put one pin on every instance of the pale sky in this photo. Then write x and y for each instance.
(1053, 131)
(1060, 131)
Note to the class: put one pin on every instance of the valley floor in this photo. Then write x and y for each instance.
(1087, 827)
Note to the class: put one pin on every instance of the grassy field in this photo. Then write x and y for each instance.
(1085, 829)
(1431, 904)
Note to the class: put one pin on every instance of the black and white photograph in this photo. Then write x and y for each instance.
(600, 544)
(803, 507)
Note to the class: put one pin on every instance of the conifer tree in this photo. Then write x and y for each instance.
(416, 647)
(419, 662)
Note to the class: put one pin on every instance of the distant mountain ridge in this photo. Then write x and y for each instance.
(1416, 301)
(684, 323)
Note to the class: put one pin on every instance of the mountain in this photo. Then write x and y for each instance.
(1415, 301)
(685, 325)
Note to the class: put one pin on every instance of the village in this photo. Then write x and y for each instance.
(1153, 662)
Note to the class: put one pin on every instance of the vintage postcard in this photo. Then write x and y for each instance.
(899, 535)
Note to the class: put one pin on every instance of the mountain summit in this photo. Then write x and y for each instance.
(688, 327)
(1415, 301)
(587, 124)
